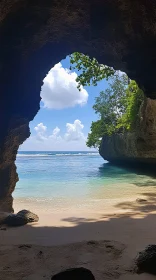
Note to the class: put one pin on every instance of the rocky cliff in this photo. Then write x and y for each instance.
(136, 146)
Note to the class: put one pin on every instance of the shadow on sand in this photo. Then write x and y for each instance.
(122, 237)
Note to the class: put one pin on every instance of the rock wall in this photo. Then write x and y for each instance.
(136, 146)
(35, 35)
(17, 132)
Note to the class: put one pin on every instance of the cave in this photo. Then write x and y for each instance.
(35, 35)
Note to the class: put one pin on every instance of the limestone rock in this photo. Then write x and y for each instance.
(74, 274)
(3, 216)
(21, 218)
(138, 146)
(146, 260)
(13, 220)
(29, 216)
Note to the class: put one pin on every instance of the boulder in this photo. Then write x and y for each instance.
(29, 216)
(23, 217)
(80, 273)
(146, 260)
(14, 220)
(3, 216)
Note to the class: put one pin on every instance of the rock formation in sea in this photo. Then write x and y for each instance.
(136, 146)
(35, 35)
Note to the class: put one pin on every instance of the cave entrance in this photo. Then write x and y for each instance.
(59, 131)
(50, 162)
(30, 70)
(48, 31)
(57, 171)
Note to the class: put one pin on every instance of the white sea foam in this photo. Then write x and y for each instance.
(58, 154)
(32, 155)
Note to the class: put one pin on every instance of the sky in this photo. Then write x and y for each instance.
(65, 115)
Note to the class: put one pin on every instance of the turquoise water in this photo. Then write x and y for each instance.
(60, 175)
(52, 174)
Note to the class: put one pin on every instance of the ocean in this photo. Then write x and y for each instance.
(60, 180)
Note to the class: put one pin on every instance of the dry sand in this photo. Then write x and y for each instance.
(60, 241)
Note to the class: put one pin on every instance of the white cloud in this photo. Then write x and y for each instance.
(60, 91)
(40, 128)
(72, 140)
(56, 131)
(74, 131)
(40, 132)
(55, 135)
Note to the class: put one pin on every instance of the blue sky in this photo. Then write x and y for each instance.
(65, 116)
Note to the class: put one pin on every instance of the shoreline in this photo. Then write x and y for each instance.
(60, 240)
(118, 220)
(137, 205)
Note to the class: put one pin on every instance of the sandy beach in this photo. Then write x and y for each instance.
(62, 240)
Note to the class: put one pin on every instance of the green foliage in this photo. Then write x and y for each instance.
(94, 137)
(134, 98)
(91, 71)
(117, 107)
